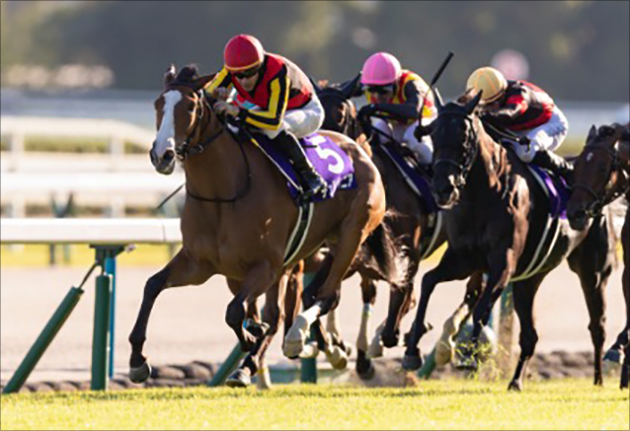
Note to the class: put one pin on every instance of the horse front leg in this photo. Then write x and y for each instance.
(451, 267)
(182, 270)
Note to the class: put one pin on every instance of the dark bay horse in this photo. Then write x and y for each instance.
(602, 175)
(497, 215)
(237, 220)
(409, 225)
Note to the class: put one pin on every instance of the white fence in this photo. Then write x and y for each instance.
(90, 231)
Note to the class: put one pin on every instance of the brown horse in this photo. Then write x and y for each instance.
(238, 217)
(496, 219)
(602, 175)
(409, 225)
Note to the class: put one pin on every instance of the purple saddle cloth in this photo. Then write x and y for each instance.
(558, 191)
(328, 159)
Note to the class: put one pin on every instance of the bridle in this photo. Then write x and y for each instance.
(599, 201)
(471, 140)
(191, 146)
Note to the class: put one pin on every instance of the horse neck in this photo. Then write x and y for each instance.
(217, 172)
(490, 166)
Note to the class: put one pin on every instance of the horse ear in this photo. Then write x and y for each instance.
(349, 88)
(592, 134)
(470, 106)
(315, 84)
(169, 75)
(439, 104)
(203, 81)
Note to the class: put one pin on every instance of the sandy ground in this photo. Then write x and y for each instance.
(188, 323)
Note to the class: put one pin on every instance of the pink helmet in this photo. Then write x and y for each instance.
(381, 69)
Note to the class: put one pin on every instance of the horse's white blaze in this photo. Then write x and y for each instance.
(166, 135)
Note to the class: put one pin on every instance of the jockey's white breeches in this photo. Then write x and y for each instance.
(404, 133)
(549, 136)
(300, 122)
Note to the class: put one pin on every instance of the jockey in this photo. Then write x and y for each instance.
(395, 97)
(273, 97)
(525, 109)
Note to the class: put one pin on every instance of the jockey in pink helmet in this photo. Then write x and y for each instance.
(395, 96)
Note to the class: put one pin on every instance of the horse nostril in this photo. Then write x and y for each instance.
(169, 155)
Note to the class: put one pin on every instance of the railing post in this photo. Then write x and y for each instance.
(308, 366)
(100, 340)
(43, 341)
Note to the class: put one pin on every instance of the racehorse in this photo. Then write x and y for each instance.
(237, 219)
(497, 216)
(602, 175)
(410, 226)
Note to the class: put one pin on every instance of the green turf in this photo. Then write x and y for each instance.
(456, 404)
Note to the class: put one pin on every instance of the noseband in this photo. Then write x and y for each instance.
(599, 202)
(471, 139)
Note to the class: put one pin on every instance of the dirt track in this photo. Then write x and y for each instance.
(188, 323)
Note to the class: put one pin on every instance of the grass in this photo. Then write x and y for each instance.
(567, 404)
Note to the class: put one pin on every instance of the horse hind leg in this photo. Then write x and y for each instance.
(180, 271)
(364, 366)
(445, 347)
(254, 362)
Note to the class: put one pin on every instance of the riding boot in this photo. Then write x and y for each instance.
(311, 182)
(556, 164)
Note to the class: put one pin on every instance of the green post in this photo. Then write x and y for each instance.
(428, 367)
(228, 367)
(43, 341)
(100, 340)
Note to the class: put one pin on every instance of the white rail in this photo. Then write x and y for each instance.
(90, 231)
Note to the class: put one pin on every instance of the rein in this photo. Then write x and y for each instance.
(190, 149)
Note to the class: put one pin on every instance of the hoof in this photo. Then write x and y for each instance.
(376, 348)
(310, 351)
(390, 341)
(140, 374)
(295, 338)
(444, 352)
(263, 381)
(515, 386)
(412, 363)
(468, 364)
(239, 379)
(366, 370)
(337, 358)
(615, 356)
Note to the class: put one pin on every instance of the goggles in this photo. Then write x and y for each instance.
(379, 89)
(246, 74)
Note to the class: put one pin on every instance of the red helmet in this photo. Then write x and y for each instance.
(243, 52)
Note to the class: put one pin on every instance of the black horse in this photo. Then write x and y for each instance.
(602, 174)
(497, 218)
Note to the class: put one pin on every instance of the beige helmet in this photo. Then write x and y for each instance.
(490, 81)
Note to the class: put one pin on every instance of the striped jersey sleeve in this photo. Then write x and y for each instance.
(271, 119)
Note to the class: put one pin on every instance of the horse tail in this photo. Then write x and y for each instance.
(386, 252)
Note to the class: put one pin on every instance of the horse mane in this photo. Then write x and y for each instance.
(188, 75)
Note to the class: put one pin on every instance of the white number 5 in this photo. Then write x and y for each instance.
(325, 153)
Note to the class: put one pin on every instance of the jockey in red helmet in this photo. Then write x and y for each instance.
(274, 97)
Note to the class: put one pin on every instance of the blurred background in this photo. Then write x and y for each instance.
(79, 78)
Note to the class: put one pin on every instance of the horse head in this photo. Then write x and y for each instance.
(456, 146)
(179, 110)
(597, 174)
(339, 111)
